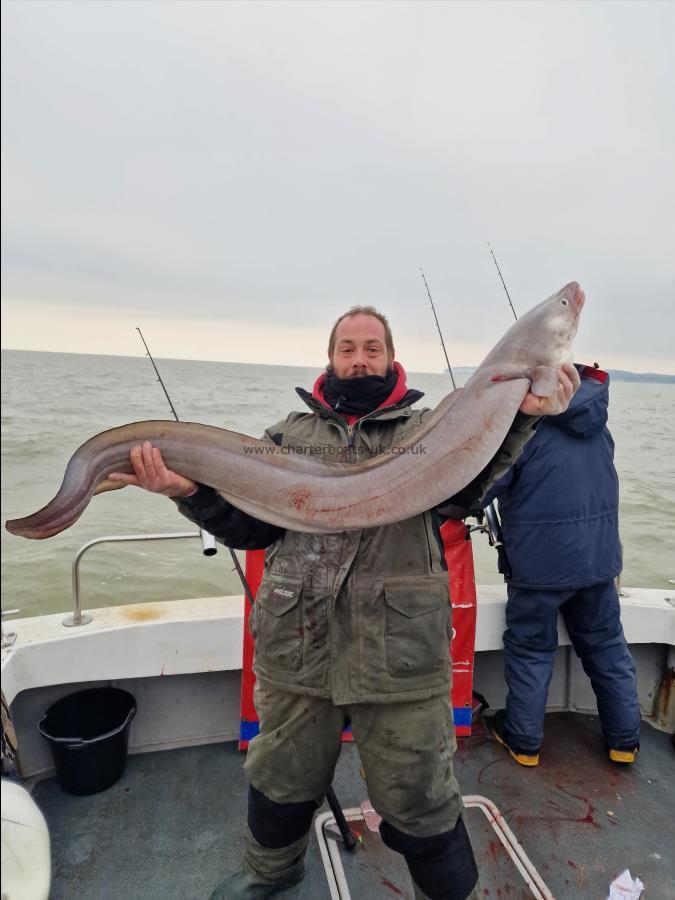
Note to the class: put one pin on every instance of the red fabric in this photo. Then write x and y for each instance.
(395, 397)
(592, 372)
(458, 553)
(255, 560)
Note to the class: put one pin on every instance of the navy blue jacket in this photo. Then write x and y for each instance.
(559, 502)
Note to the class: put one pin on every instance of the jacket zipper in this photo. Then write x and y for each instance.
(350, 442)
(332, 414)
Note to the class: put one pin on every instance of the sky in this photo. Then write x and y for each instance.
(231, 177)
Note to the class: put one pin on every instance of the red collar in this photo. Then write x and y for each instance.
(395, 397)
(593, 372)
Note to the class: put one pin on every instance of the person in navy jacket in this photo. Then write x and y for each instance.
(559, 506)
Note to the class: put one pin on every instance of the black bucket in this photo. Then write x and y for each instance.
(89, 733)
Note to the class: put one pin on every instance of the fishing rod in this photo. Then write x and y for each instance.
(209, 544)
(503, 282)
(209, 549)
(433, 308)
(159, 377)
(492, 524)
(208, 540)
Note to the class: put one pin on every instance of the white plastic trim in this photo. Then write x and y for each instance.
(512, 845)
(205, 635)
(335, 874)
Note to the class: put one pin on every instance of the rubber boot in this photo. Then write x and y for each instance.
(266, 870)
(500, 732)
(245, 886)
(625, 755)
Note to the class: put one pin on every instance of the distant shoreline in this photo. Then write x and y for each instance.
(652, 377)
(615, 374)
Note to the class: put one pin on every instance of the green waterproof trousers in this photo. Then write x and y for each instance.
(406, 750)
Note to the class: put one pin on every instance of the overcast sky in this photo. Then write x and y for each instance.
(232, 176)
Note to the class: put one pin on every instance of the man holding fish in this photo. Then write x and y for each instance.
(354, 627)
(352, 618)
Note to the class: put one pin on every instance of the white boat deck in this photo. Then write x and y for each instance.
(143, 640)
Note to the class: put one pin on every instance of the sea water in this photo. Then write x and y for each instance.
(53, 402)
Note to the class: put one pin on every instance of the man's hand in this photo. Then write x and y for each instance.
(568, 383)
(152, 474)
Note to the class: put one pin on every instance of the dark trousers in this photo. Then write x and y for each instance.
(592, 617)
(406, 749)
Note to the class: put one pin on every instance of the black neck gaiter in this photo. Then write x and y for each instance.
(358, 396)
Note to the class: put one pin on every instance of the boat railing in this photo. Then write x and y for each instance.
(80, 618)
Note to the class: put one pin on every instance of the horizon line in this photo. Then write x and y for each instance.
(443, 371)
(225, 361)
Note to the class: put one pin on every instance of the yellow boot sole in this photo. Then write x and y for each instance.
(524, 759)
(623, 756)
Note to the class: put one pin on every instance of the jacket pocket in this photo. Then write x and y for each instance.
(277, 625)
(417, 624)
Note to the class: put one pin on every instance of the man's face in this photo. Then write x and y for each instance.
(360, 347)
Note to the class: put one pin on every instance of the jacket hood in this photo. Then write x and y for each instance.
(588, 409)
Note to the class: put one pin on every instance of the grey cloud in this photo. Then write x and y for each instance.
(285, 159)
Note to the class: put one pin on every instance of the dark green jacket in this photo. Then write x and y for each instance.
(359, 616)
